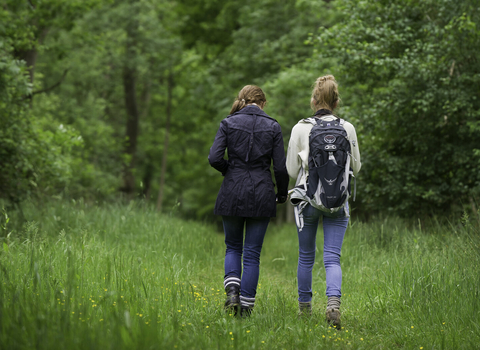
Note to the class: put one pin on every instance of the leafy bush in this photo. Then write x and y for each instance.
(36, 152)
(412, 72)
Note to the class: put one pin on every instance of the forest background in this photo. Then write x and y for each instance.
(121, 99)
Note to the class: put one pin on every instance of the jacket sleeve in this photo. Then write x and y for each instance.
(217, 151)
(279, 166)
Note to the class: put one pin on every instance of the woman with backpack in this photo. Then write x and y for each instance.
(247, 198)
(325, 99)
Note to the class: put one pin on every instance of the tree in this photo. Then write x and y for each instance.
(130, 91)
(411, 73)
(119, 56)
(29, 22)
(36, 154)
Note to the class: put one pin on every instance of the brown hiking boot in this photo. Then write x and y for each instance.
(333, 318)
(305, 309)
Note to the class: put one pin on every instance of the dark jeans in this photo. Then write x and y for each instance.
(255, 229)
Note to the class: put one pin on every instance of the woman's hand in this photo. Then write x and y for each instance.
(281, 199)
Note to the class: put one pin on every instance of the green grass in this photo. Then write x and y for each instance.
(124, 277)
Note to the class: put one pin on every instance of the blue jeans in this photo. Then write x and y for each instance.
(255, 228)
(334, 227)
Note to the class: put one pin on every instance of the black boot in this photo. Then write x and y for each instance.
(232, 304)
(245, 311)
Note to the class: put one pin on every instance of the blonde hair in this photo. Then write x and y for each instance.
(325, 93)
(249, 94)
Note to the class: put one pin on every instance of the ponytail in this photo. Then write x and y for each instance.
(237, 105)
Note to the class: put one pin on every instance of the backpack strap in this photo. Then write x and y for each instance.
(300, 175)
(311, 120)
(336, 120)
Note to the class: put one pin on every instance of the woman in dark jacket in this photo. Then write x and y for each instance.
(247, 196)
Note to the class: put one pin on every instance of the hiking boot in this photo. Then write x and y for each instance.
(232, 304)
(305, 308)
(333, 318)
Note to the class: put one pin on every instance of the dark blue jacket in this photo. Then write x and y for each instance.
(253, 140)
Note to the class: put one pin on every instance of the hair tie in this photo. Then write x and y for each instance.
(243, 100)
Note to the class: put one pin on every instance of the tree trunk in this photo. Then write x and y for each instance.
(131, 129)
(147, 181)
(146, 98)
(170, 85)
(129, 86)
(30, 56)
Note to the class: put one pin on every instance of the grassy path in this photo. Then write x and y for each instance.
(80, 277)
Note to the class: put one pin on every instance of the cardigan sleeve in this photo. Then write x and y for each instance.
(356, 163)
(293, 159)
(298, 148)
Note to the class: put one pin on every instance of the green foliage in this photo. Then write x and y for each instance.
(414, 70)
(39, 154)
(208, 24)
(211, 49)
(408, 72)
(125, 277)
(13, 87)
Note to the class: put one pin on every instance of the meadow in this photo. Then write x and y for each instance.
(78, 276)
